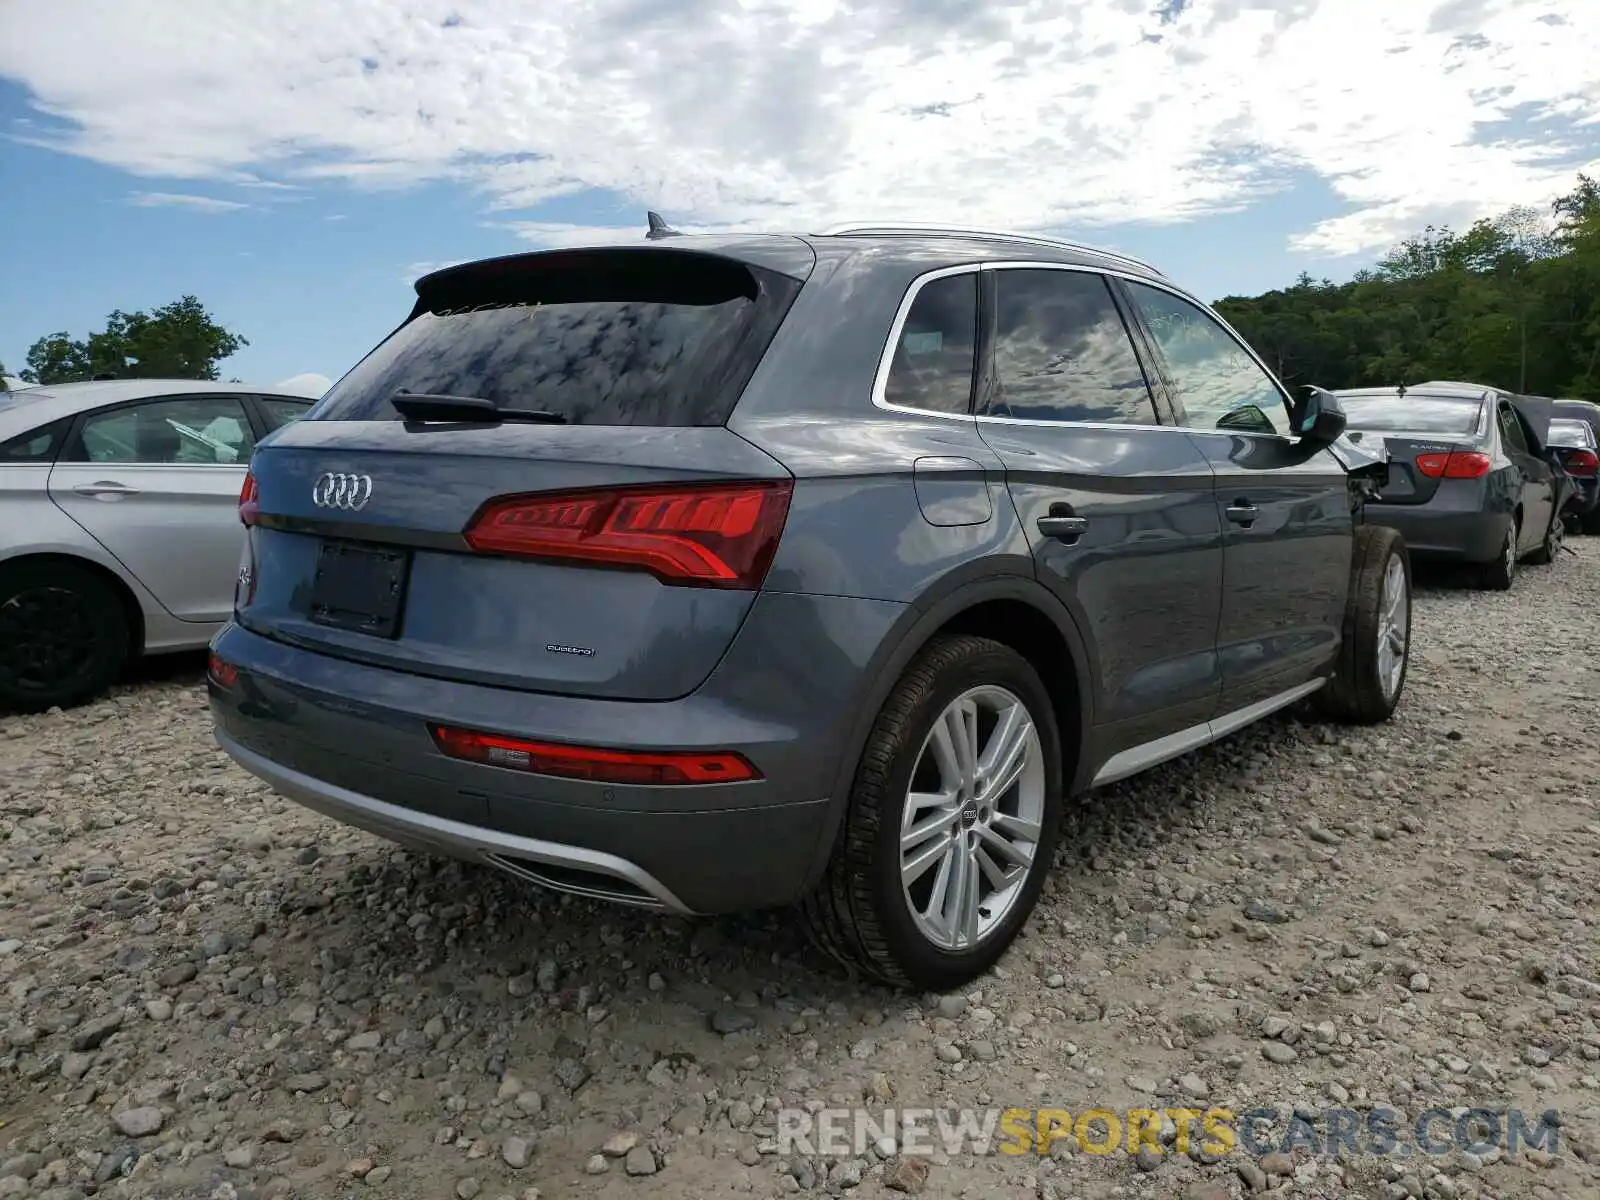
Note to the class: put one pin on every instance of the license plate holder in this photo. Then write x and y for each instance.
(359, 588)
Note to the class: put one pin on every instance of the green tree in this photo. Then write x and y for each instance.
(1513, 302)
(180, 340)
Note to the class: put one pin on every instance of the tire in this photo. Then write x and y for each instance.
(1549, 549)
(1501, 573)
(860, 912)
(1591, 523)
(63, 636)
(1364, 689)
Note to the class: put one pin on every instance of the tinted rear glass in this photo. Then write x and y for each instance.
(1411, 414)
(613, 337)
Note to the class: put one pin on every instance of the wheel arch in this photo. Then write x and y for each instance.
(1014, 609)
(132, 610)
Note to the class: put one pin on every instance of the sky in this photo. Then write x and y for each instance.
(297, 165)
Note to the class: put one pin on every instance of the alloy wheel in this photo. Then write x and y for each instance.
(973, 817)
(1394, 620)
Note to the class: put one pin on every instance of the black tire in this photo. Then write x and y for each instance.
(1554, 538)
(1591, 523)
(1499, 574)
(858, 911)
(1356, 695)
(63, 636)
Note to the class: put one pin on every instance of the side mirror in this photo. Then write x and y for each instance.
(1320, 417)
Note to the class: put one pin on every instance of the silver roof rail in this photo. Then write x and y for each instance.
(1036, 239)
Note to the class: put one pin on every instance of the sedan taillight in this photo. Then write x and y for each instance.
(1453, 464)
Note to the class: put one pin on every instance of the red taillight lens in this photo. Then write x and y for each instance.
(704, 535)
(222, 672)
(249, 500)
(1583, 462)
(598, 766)
(1453, 464)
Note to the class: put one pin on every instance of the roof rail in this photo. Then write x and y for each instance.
(904, 230)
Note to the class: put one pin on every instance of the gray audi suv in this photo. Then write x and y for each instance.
(717, 573)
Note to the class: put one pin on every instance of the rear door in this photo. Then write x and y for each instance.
(156, 482)
(1538, 480)
(1284, 507)
(1118, 508)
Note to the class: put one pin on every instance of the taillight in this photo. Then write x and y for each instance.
(596, 765)
(249, 500)
(1453, 464)
(702, 535)
(1583, 462)
(222, 672)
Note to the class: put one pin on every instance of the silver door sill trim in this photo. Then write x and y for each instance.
(507, 852)
(1140, 758)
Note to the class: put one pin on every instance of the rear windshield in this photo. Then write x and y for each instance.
(1570, 433)
(1411, 414)
(612, 337)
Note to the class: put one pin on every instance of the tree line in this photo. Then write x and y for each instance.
(1513, 302)
(180, 340)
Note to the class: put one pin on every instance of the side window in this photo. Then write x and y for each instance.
(280, 411)
(1216, 382)
(37, 445)
(1062, 353)
(1511, 430)
(933, 362)
(197, 430)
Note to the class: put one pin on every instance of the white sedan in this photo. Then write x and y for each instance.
(119, 524)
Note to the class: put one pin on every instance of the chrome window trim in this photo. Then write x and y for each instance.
(880, 381)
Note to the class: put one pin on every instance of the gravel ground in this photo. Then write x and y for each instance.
(209, 992)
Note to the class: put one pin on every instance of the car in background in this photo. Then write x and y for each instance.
(721, 573)
(1469, 477)
(1575, 445)
(119, 525)
(1587, 411)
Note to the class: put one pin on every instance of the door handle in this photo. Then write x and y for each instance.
(1063, 524)
(1242, 512)
(105, 487)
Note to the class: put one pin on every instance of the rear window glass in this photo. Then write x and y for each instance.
(616, 337)
(1570, 433)
(1411, 414)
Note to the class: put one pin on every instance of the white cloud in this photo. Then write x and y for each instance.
(795, 113)
(205, 204)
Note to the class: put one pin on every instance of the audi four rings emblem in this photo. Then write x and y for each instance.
(336, 490)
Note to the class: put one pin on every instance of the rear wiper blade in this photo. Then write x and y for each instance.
(427, 406)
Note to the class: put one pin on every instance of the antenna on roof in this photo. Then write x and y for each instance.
(1401, 391)
(659, 228)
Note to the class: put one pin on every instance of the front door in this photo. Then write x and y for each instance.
(1118, 508)
(157, 484)
(1284, 506)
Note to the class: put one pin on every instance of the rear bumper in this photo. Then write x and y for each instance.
(351, 741)
(1466, 536)
(534, 857)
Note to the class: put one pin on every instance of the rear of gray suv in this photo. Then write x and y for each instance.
(725, 573)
